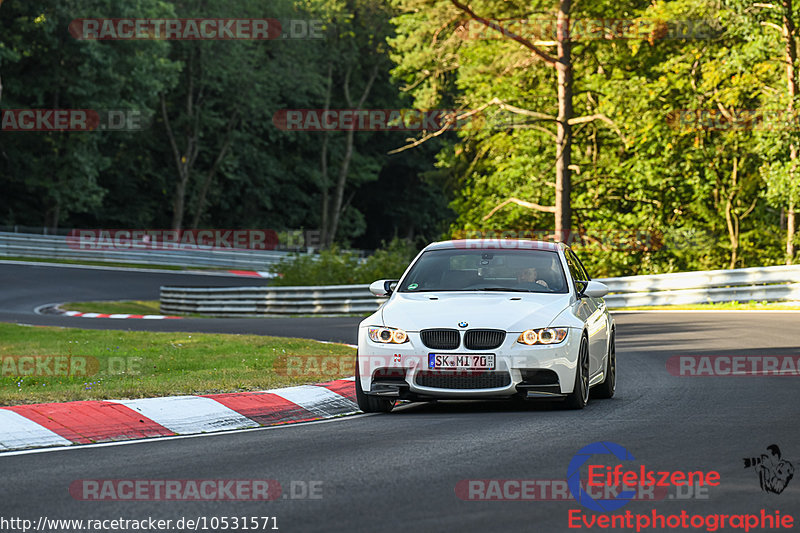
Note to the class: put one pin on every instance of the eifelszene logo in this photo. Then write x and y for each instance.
(600, 475)
(574, 476)
(774, 472)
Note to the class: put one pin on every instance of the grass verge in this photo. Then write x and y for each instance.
(132, 307)
(99, 365)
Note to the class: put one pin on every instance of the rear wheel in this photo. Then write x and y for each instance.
(371, 404)
(607, 388)
(579, 396)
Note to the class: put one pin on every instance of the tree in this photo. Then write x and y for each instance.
(201, 115)
(355, 60)
(783, 189)
(54, 173)
(564, 66)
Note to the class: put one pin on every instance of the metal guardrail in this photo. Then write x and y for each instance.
(58, 247)
(258, 301)
(780, 283)
(777, 283)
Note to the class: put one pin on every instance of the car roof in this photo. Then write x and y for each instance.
(499, 243)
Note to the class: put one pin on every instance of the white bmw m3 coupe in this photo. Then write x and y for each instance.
(471, 320)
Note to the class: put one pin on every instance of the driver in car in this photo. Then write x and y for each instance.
(527, 277)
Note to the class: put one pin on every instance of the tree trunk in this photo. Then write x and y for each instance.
(178, 202)
(338, 196)
(184, 161)
(323, 167)
(335, 211)
(326, 201)
(791, 83)
(563, 206)
(226, 144)
(790, 229)
(730, 221)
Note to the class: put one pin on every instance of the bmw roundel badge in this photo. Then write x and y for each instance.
(462, 324)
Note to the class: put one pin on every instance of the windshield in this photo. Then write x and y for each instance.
(486, 270)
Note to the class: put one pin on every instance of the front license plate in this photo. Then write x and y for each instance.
(461, 361)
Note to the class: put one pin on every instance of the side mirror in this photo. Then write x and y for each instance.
(595, 289)
(383, 287)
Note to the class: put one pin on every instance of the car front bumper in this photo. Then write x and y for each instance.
(402, 371)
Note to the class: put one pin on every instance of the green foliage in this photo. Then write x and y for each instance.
(388, 262)
(711, 197)
(268, 178)
(336, 267)
(705, 193)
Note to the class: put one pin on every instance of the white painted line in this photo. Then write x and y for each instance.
(318, 400)
(157, 440)
(339, 343)
(39, 310)
(17, 431)
(189, 414)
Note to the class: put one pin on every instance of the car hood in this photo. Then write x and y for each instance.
(508, 311)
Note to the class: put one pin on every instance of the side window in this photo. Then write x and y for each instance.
(580, 266)
(576, 270)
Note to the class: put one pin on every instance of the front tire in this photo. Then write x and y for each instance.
(609, 385)
(579, 396)
(371, 404)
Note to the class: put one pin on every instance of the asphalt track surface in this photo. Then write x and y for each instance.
(24, 288)
(398, 472)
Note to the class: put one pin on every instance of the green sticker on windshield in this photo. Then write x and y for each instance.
(412, 286)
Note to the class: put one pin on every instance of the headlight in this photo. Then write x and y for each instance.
(542, 336)
(387, 335)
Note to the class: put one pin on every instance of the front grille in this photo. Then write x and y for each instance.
(462, 380)
(440, 339)
(484, 339)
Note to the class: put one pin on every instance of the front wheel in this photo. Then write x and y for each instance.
(579, 396)
(371, 404)
(609, 385)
